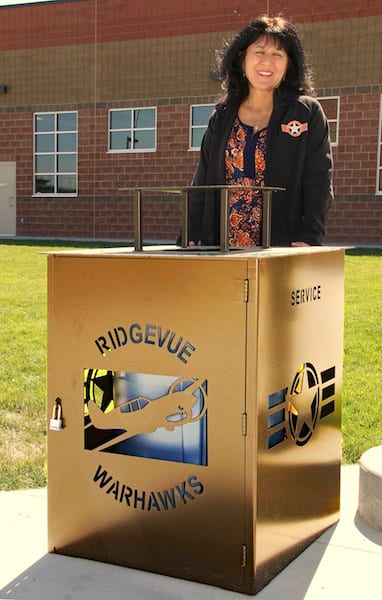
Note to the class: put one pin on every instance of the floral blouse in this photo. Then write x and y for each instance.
(245, 165)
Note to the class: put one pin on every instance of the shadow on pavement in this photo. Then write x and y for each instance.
(58, 577)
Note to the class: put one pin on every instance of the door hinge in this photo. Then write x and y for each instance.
(244, 424)
(244, 555)
(246, 290)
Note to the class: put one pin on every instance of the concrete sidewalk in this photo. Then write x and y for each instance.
(345, 562)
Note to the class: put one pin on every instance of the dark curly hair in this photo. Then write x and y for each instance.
(298, 77)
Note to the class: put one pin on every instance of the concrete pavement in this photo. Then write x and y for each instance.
(345, 562)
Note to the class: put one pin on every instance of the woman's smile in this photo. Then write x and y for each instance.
(265, 64)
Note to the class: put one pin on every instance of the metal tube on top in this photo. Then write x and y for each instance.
(266, 231)
(185, 237)
(224, 211)
(137, 208)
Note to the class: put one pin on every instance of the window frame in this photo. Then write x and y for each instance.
(132, 129)
(336, 120)
(193, 127)
(378, 183)
(56, 153)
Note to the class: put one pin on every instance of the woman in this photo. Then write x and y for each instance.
(268, 131)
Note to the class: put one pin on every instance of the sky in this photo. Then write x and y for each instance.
(11, 2)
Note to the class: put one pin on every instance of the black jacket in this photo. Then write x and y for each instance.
(299, 161)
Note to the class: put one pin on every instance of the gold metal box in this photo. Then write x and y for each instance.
(200, 403)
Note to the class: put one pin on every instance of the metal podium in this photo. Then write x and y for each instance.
(194, 408)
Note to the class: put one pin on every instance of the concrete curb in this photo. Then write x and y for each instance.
(370, 487)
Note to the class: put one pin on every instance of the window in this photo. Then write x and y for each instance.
(379, 164)
(55, 153)
(331, 108)
(199, 117)
(132, 130)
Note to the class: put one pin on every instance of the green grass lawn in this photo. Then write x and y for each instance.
(361, 412)
(23, 350)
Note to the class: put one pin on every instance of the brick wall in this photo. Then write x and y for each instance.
(101, 209)
(98, 218)
(77, 22)
(90, 56)
(356, 155)
(357, 214)
(355, 222)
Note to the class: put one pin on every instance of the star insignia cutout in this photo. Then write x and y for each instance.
(303, 404)
(294, 128)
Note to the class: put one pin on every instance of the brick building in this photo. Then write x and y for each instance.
(99, 95)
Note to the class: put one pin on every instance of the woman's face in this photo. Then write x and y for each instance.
(265, 64)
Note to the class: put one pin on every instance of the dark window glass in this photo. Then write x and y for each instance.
(144, 118)
(66, 184)
(44, 163)
(44, 143)
(66, 163)
(120, 119)
(44, 122)
(144, 139)
(67, 122)
(201, 115)
(196, 137)
(44, 184)
(66, 142)
(120, 140)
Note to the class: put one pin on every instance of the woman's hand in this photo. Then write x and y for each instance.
(298, 244)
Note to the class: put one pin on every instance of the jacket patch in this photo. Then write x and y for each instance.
(294, 128)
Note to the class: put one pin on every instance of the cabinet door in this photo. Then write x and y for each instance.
(147, 356)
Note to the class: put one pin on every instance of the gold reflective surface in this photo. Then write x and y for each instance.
(200, 398)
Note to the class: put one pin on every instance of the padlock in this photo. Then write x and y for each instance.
(56, 422)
